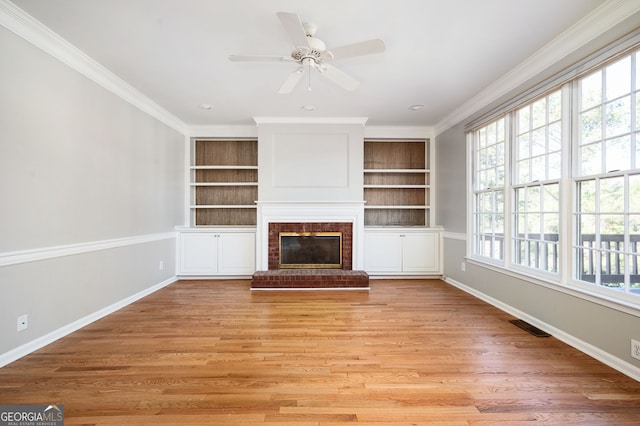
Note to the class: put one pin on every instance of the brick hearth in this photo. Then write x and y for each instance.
(310, 278)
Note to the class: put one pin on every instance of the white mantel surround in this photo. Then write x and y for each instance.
(309, 211)
(310, 170)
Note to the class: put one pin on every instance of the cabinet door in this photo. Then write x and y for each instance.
(383, 252)
(420, 252)
(433, 252)
(198, 254)
(237, 253)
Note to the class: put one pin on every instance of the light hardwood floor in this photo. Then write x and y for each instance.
(409, 352)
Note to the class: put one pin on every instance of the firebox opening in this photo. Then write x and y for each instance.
(321, 250)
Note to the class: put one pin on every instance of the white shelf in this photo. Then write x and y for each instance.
(387, 207)
(223, 206)
(397, 183)
(396, 170)
(224, 184)
(397, 186)
(224, 167)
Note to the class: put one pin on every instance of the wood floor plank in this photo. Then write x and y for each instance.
(408, 352)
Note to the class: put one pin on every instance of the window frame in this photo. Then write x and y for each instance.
(603, 174)
(541, 184)
(566, 277)
(492, 192)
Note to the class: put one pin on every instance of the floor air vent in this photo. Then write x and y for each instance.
(529, 328)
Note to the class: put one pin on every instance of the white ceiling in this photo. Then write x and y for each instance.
(439, 53)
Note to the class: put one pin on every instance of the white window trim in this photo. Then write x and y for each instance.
(564, 280)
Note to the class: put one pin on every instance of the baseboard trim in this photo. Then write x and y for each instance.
(40, 342)
(374, 276)
(606, 358)
(213, 277)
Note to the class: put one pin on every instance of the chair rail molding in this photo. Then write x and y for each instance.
(33, 255)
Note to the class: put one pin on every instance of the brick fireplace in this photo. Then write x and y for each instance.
(276, 228)
(277, 217)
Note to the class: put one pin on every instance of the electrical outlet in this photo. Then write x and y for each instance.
(23, 322)
(463, 266)
(161, 265)
(635, 349)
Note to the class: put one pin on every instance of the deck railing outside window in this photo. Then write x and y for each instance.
(612, 264)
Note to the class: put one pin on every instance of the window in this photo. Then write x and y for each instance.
(538, 169)
(607, 179)
(489, 190)
(522, 170)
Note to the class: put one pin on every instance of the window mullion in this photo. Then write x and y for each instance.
(603, 124)
(634, 112)
(626, 246)
(471, 152)
(507, 190)
(568, 262)
(598, 240)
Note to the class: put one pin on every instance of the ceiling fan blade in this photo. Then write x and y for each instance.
(259, 58)
(340, 78)
(368, 47)
(292, 24)
(292, 81)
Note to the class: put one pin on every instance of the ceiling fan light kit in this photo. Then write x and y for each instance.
(311, 53)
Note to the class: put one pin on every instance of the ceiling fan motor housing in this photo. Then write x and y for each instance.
(303, 52)
(315, 49)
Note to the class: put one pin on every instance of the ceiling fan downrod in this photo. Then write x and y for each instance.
(308, 64)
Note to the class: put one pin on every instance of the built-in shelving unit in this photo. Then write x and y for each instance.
(224, 182)
(397, 183)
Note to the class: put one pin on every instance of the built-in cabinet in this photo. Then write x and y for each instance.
(398, 234)
(398, 213)
(397, 190)
(216, 252)
(409, 251)
(224, 182)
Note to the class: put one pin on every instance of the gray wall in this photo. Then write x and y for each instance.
(452, 180)
(79, 167)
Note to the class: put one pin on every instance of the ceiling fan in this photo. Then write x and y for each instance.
(311, 53)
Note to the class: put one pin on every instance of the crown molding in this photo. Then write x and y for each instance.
(399, 132)
(310, 120)
(24, 25)
(228, 131)
(596, 23)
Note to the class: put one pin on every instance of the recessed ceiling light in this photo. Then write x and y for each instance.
(308, 108)
(206, 106)
(416, 107)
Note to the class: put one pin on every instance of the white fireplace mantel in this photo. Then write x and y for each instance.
(309, 211)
